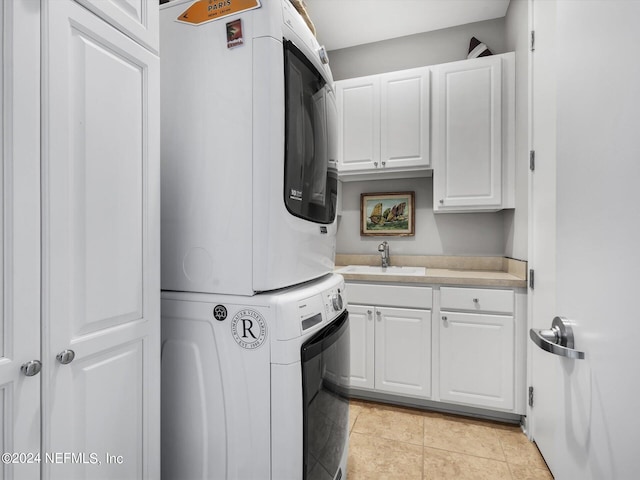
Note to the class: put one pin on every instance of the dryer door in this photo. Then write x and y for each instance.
(311, 178)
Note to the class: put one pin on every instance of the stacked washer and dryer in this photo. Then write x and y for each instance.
(255, 338)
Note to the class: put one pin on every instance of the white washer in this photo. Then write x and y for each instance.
(255, 388)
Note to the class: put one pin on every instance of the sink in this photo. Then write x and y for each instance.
(371, 270)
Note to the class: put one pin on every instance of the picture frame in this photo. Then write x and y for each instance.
(387, 214)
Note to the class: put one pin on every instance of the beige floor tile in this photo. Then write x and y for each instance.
(354, 411)
(392, 423)
(444, 465)
(373, 458)
(462, 436)
(520, 472)
(518, 450)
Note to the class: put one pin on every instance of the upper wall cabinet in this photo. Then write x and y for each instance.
(383, 124)
(473, 137)
(136, 18)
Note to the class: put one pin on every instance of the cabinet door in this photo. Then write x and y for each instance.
(477, 359)
(467, 140)
(19, 234)
(404, 118)
(359, 123)
(136, 18)
(403, 351)
(101, 289)
(361, 331)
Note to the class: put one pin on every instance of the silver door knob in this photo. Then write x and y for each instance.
(557, 340)
(31, 368)
(66, 356)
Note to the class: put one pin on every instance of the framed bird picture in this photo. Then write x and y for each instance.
(387, 214)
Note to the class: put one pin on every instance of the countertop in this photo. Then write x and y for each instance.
(443, 270)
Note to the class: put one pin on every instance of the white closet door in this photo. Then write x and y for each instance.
(19, 237)
(101, 289)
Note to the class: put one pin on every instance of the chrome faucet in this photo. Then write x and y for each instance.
(383, 248)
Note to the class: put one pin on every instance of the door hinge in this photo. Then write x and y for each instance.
(531, 278)
(532, 160)
(531, 396)
(533, 40)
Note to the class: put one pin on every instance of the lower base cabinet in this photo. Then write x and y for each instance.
(477, 359)
(470, 355)
(390, 349)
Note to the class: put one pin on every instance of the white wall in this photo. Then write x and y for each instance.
(517, 40)
(436, 234)
(441, 234)
(430, 48)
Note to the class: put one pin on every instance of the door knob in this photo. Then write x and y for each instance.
(557, 340)
(66, 356)
(31, 368)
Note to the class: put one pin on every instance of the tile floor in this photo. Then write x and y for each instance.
(389, 443)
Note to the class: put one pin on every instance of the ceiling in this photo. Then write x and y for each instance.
(345, 23)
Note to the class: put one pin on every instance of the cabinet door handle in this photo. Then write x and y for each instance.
(375, 164)
(379, 314)
(444, 319)
(441, 201)
(475, 300)
(66, 357)
(31, 368)
(384, 163)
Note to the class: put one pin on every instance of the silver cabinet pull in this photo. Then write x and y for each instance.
(66, 356)
(444, 319)
(31, 368)
(375, 164)
(475, 300)
(557, 340)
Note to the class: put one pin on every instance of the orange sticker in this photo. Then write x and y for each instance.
(204, 11)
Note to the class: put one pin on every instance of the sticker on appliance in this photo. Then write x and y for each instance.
(234, 34)
(203, 11)
(249, 329)
(295, 194)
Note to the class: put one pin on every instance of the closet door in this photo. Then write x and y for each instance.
(101, 289)
(19, 238)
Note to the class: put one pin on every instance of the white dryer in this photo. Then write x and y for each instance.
(256, 387)
(249, 149)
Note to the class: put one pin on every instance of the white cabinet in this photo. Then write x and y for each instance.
(20, 410)
(473, 138)
(83, 269)
(362, 347)
(358, 123)
(402, 350)
(383, 123)
(477, 346)
(391, 347)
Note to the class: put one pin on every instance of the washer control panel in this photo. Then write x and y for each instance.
(333, 302)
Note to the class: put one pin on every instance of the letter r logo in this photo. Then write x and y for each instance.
(247, 325)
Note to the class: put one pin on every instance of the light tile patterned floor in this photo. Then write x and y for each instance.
(389, 443)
